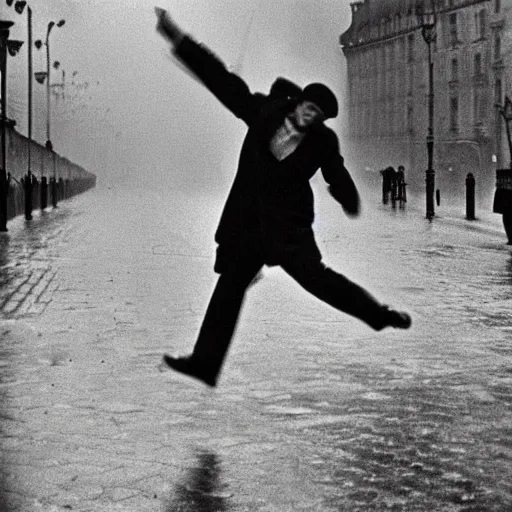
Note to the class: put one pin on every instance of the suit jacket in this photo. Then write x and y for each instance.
(270, 207)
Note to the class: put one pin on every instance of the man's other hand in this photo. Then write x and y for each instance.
(166, 27)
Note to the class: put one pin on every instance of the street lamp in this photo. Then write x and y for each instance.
(51, 24)
(19, 6)
(426, 16)
(506, 112)
(12, 47)
(49, 144)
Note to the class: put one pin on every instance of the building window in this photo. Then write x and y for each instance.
(410, 118)
(480, 106)
(454, 114)
(478, 65)
(497, 48)
(477, 107)
(454, 36)
(482, 24)
(455, 70)
(497, 91)
(410, 55)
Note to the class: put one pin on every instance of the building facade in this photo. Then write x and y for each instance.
(387, 93)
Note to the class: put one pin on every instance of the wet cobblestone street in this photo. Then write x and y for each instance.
(314, 411)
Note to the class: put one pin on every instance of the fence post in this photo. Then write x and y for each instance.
(470, 197)
(44, 192)
(27, 187)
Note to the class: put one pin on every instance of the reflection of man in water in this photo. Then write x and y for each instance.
(203, 489)
(268, 216)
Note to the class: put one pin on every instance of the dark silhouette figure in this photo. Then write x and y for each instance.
(268, 215)
(28, 184)
(400, 183)
(503, 200)
(44, 192)
(388, 184)
(203, 490)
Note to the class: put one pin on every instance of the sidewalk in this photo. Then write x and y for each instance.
(314, 411)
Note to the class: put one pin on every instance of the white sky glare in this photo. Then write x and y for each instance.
(132, 114)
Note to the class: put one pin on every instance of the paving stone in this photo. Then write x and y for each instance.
(314, 411)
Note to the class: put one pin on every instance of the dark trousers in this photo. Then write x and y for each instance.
(507, 224)
(226, 302)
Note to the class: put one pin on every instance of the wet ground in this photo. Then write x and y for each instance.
(314, 411)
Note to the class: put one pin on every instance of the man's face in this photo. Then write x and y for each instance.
(306, 114)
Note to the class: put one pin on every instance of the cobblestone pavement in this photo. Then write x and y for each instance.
(314, 411)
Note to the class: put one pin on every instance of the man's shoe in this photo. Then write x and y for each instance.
(189, 366)
(398, 319)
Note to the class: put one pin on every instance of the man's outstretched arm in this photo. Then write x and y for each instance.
(341, 186)
(228, 87)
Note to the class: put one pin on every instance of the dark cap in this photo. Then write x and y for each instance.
(322, 96)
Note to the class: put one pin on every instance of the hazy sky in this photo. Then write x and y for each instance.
(132, 114)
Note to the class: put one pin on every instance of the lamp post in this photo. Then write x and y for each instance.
(11, 46)
(49, 144)
(19, 6)
(506, 112)
(426, 16)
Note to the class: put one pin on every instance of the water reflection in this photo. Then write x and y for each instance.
(26, 253)
(202, 490)
(4, 250)
(6, 418)
(508, 270)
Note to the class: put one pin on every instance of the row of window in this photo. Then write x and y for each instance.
(451, 35)
(479, 68)
(366, 62)
(480, 113)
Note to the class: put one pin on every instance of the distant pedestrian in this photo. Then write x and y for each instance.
(503, 200)
(400, 183)
(268, 216)
(388, 183)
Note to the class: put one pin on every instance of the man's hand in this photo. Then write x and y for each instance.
(166, 27)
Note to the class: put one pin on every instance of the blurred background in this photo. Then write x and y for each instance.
(125, 111)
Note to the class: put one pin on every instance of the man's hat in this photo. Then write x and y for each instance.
(322, 96)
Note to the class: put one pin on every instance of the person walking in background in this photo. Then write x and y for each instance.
(388, 183)
(400, 183)
(268, 215)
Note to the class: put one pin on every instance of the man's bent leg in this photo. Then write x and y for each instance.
(342, 294)
(218, 325)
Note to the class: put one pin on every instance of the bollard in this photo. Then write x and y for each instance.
(36, 193)
(44, 192)
(438, 197)
(470, 197)
(27, 187)
(60, 189)
(53, 187)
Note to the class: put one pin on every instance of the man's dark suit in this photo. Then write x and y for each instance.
(268, 215)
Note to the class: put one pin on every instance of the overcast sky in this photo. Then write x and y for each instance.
(132, 114)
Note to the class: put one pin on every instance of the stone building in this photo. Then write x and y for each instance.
(387, 93)
(501, 25)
